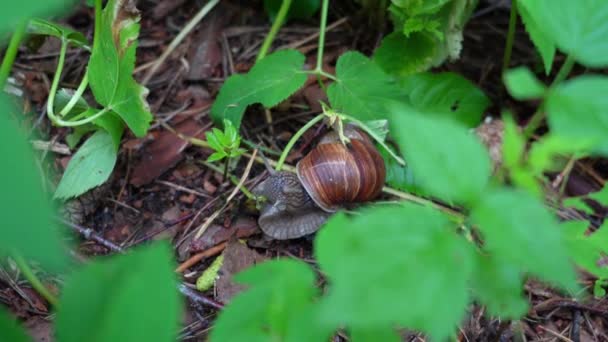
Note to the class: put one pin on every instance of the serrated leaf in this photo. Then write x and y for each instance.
(112, 62)
(498, 286)
(43, 27)
(10, 330)
(446, 93)
(447, 160)
(299, 9)
(12, 13)
(544, 45)
(523, 85)
(587, 249)
(511, 222)
(118, 293)
(578, 110)
(28, 227)
(280, 291)
(89, 167)
(269, 82)
(578, 28)
(403, 55)
(365, 258)
(363, 90)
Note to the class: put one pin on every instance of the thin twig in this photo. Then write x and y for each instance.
(200, 256)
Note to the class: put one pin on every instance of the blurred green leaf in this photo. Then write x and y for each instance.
(578, 28)
(10, 331)
(523, 85)
(498, 286)
(277, 305)
(299, 9)
(578, 110)
(511, 222)
(366, 258)
(544, 45)
(111, 66)
(13, 12)
(363, 89)
(43, 27)
(550, 152)
(63, 96)
(587, 249)
(384, 334)
(403, 55)
(399, 176)
(89, 167)
(600, 196)
(269, 82)
(28, 227)
(447, 160)
(129, 297)
(447, 94)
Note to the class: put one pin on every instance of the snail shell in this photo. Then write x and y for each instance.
(335, 174)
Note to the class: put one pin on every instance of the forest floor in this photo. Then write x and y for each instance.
(160, 189)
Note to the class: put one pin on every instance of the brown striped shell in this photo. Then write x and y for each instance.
(335, 174)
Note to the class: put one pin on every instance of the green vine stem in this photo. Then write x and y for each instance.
(31, 277)
(295, 138)
(510, 37)
(539, 115)
(11, 52)
(321, 44)
(77, 95)
(278, 22)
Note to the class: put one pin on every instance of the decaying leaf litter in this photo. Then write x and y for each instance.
(160, 190)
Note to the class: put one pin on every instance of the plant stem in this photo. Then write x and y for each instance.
(77, 95)
(29, 274)
(295, 138)
(55, 84)
(539, 115)
(232, 178)
(225, 173)
(320, 48)
(510, 37)
(11, 52)
(278, 22)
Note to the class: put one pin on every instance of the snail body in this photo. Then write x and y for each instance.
(333, 175)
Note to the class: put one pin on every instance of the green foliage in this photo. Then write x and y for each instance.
(89, 167)
(587, 249)
(279, 309)
(26, 211)
(578, 28)
(544, 45)
(522, 84)
(362, 89)
(446, 93)
(448, 161)
(9, 330)
(13, 13)
(269, 82)
(299, 9)
(111, 66)
(129, 297)
(577, 110)
(418, 47)
(47, 28)
(365, 259)
(225, 144)
(524, 248)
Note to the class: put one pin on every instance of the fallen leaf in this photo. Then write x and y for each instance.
(237, 257)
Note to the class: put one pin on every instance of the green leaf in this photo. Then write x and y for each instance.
(446, 93)
(544, 45)
(10, 330)
(43, 27)
(64, 96)
(498, 285)
(447, 160)
(78, 132)
(511, 222)
(363, 89)
(280, 292)
(269, 82)
(299, 9)
(578, 110)
(384, 334)
(514, 143)
(12, 13)
(578, 28)
(89, 167)
(403, 55)
(523, 85)
(598, 289)
(129, 297)
(600, 196)
(112, 124)
(586, 250)
(28, 227)
(111, 66)
(391, 265)
(547, 152)
(398, 176)
(216, 156)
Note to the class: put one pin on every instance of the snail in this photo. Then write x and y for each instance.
(331, 176)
